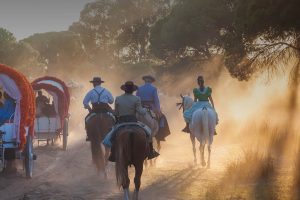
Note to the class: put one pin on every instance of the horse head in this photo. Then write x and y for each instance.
(186, 102)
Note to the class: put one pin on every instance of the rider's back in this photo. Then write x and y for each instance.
(128, 104)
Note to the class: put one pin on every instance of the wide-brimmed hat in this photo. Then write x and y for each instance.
(148, 77)
(129, 85)
(96, 80)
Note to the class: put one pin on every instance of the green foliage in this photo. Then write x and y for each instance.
(193, 28)
(19, 54)
(58, 48)
(118, 30)
(264, 33)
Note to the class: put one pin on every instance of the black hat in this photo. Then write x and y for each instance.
(96, 80)
(148, 77)
(129, 85)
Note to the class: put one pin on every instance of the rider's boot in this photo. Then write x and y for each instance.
(112, 156)
(186, 128)
(152, 153)
(87, 138)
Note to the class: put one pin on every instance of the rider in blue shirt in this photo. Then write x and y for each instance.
(149, 96)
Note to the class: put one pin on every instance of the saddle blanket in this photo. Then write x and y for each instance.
(107, 139)
(91, 115)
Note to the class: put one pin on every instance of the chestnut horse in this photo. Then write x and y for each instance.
(131, 149)
(97, 127)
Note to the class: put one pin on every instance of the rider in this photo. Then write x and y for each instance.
(42, 102)
(148, 95)
(99, 97)
(126, 108)
(8, 109)
(202, 97)
(149, 98)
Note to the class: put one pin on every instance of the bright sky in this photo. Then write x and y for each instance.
(26, 17)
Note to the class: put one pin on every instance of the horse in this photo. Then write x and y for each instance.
(202, 127)
(152, 123)
(131, 149)
(97, 126)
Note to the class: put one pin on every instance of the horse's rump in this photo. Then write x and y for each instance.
(131, 148)
(200, 116)
(150, 122)
(97, 126)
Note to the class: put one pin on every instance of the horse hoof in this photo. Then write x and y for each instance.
(135, 195)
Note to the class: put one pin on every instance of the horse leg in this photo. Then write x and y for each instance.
(106, 156)
(126, 184)
(137, 180)
(208, 160)
(202, 146)
(194, 147)
(158, 149)
(126, 194)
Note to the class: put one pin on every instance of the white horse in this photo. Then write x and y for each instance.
(154, 126)
(202, 127)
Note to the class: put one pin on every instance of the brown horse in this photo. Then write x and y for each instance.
(97, 127)
(131, 149)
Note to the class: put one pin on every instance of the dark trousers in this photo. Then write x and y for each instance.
(101, 108)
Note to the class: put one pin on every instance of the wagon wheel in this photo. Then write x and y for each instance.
(28, 160)
(65, 133)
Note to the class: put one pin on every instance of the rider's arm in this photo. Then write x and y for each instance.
(156, 100)
(211, 101)
(110, 97)
(86, 101)
(194, 92)
(117, 107)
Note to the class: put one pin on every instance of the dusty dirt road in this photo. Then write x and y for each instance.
(70, 174)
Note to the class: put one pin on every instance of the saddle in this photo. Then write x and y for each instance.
(133, 124)
(150, 111)
(110, 137)
(93, 114)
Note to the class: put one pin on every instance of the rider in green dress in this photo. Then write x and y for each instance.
(202, 98)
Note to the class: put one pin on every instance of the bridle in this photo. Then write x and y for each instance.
(181, 105)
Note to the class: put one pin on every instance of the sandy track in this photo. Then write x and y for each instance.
(70, 175)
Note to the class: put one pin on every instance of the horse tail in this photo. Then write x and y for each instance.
(123, 156)
(204, 121)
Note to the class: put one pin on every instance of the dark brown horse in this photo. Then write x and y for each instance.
(97, 127)
(131, 149)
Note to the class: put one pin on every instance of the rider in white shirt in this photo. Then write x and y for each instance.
(99, 97)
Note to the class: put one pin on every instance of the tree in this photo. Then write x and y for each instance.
(60, 49)
(193, 29)
(19, 54)
(263, 34)
(118, 30)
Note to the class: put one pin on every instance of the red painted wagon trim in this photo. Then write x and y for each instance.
(27, 102)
